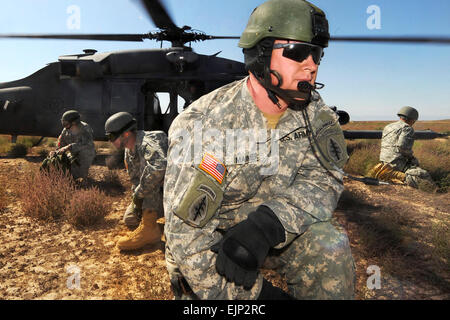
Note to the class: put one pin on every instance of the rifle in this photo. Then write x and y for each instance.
(367, 180)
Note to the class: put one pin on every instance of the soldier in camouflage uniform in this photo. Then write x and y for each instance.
(397, 161)
(228, 216)
(78, 139)
(145, 161)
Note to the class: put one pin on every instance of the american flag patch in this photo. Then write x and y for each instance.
(213, 167)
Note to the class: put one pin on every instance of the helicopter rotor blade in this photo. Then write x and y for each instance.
(159, 14)
(102, 37)
(114, 37)
(221, 37)
(425, 40)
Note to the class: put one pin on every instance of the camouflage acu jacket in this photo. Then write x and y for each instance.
(83, 141)
(200, 200)
(396, 145)
(147, 165)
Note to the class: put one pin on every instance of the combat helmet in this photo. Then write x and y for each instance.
(71, 116)
(409, 113)
(119, 123)
(296, 20)
(286, 19)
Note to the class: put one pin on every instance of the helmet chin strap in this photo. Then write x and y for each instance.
(296, 99)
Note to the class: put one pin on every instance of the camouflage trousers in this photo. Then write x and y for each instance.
(413, 176)
(318, 265)
(153, 201)
(80, 168)
(419, 178)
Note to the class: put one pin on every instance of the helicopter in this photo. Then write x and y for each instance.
(101, 84)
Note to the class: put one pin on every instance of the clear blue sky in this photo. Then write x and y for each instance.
(370, 81)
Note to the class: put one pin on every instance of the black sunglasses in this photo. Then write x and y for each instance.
(112, 136)
(300, 51)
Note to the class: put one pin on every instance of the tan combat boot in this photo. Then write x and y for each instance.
(148, 232)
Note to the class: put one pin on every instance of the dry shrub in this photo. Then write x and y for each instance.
(18, 150)
(86, 208)
(353, 145)
(4, 144)
(444, 183)
(52, 195)
(44, 195)
(28, 141)
(434, 156)
(43, 152)
(363, 156)
(111, 178)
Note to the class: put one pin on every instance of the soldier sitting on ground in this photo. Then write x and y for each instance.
(397, 161)
(76, 138)
(145, 161)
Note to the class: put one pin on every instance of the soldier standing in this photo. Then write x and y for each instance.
(76, 137)
(145, 161)
(226, 216)
(397, 161)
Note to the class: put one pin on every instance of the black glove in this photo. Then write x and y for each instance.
(269, 292)
(242, 250)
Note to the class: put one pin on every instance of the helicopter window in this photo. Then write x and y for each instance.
(181, 104)
(68, 69)
(164, 102)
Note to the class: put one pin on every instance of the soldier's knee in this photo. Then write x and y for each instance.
(330, 239)
(326, 269)
(419, 178)
(333, 248)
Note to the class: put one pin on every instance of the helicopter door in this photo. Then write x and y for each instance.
(126, 95)
(170, 105)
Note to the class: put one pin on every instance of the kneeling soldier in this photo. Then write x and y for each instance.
(145, 161)
(397, 161)
(225, 218)
(78, 139)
